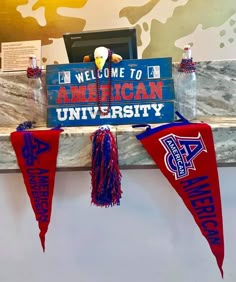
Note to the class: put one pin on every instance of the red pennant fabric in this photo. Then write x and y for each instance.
(185, 154)
(36, 153)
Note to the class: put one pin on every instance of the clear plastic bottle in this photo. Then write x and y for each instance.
(35, 88)
(186, 86)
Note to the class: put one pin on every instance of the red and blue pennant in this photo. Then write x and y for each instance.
(185, 154)
(36, 152)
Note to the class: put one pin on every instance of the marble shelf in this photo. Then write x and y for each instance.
(75, 146)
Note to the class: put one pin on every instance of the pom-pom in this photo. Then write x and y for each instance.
(106, 176)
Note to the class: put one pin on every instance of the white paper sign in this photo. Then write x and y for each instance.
(15, 55)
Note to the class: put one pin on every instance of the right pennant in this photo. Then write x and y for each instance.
(185, 154)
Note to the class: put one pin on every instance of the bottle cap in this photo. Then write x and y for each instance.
(32, 62)
(187, 52)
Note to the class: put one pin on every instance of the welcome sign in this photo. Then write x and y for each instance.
(142, 91)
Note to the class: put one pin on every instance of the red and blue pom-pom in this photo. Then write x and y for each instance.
(106, 175)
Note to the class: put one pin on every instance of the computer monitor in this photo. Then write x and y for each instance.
(121, 41)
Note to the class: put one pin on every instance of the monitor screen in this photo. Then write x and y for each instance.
(121, 41)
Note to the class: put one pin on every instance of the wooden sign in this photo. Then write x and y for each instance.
(142, 92)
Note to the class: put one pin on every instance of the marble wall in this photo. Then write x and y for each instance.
(216, 88)
(216, 94)
(17, 103)
(216, 105)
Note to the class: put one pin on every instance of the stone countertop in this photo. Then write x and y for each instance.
(75, 146)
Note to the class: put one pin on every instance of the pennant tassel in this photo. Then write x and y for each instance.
(106, 176)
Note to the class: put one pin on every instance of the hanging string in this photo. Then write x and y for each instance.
(98, 87)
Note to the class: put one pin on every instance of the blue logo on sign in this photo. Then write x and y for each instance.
(181, 152)
(64, 77)
(153, 72)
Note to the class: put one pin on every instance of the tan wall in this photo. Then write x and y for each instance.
(163, 26)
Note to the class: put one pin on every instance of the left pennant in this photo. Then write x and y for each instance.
(36, 152)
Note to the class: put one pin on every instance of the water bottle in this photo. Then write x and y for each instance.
(186, 86)
(35, 88)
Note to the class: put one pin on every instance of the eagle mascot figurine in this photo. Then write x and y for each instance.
(100, 56)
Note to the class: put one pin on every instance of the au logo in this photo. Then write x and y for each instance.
(64, 77)
(33, 147)
(181, 153)
(153, 72)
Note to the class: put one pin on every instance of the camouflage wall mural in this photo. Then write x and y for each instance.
(163, 26)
